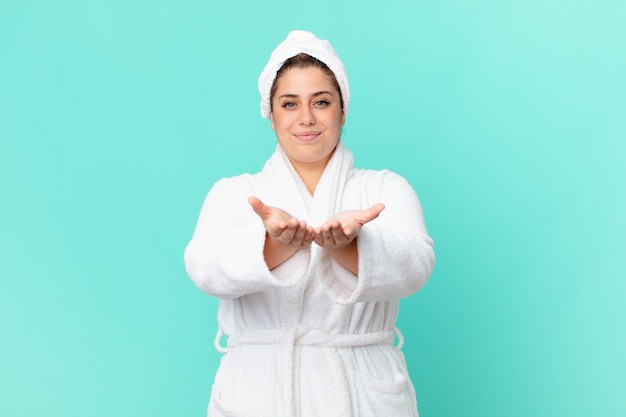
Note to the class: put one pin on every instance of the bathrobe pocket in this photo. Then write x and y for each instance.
(242, 381)
(219, 408)
(382, 397)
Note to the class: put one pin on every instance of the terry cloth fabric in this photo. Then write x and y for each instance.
(301, 41)
(309, 338)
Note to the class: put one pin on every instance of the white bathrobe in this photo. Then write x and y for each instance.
(310, 338)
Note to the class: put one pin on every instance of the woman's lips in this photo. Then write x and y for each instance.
(307, 136)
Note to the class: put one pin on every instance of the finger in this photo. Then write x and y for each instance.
(257, 205)
(276, 230)
(281, 232)
(377, 208)
(338, 234)
(350, 232)
(298, 237)
(372, 212)
(317, 235)
(308, 236)
(291, 230)
(327, 234)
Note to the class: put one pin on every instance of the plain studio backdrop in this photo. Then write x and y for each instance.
(507, 117)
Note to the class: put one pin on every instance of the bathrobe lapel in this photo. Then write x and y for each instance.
(290, 193)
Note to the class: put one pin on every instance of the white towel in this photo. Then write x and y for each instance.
(301, 41)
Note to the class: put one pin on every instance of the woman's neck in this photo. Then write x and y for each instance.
(310, 176)
(311, 172)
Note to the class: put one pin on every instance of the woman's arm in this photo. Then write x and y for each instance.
(225, 257)
(395, 255)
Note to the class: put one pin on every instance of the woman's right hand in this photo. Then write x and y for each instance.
(285, 234)
(281, 227)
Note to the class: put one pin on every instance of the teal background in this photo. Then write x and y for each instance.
(508, 117)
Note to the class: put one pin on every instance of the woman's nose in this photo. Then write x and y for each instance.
(306, 117)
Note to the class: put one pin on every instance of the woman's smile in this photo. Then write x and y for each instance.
(308, 136)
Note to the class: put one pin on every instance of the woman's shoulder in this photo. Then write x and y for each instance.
(234, 180)
(379, 182)
(240, 183)
(376, 175)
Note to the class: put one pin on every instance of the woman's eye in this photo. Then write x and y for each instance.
(321, 103)
(289, 105)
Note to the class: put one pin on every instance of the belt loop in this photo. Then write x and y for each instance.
(400, 338)
(217, 340)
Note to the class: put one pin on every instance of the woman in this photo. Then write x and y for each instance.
(309, 259)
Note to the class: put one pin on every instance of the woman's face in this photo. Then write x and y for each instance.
(307, 116)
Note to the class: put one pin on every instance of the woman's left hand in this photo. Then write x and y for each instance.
(341, 229)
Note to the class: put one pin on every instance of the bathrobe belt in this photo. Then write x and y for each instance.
(287, 338)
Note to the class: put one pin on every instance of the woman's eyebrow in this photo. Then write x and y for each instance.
(288, 96)
(319, 93)
(291, 95)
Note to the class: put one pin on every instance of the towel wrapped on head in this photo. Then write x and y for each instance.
(297, 42)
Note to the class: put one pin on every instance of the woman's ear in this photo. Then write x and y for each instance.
(272, 121)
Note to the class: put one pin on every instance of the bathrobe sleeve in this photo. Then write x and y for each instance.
(396, 255)
(225, 255)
